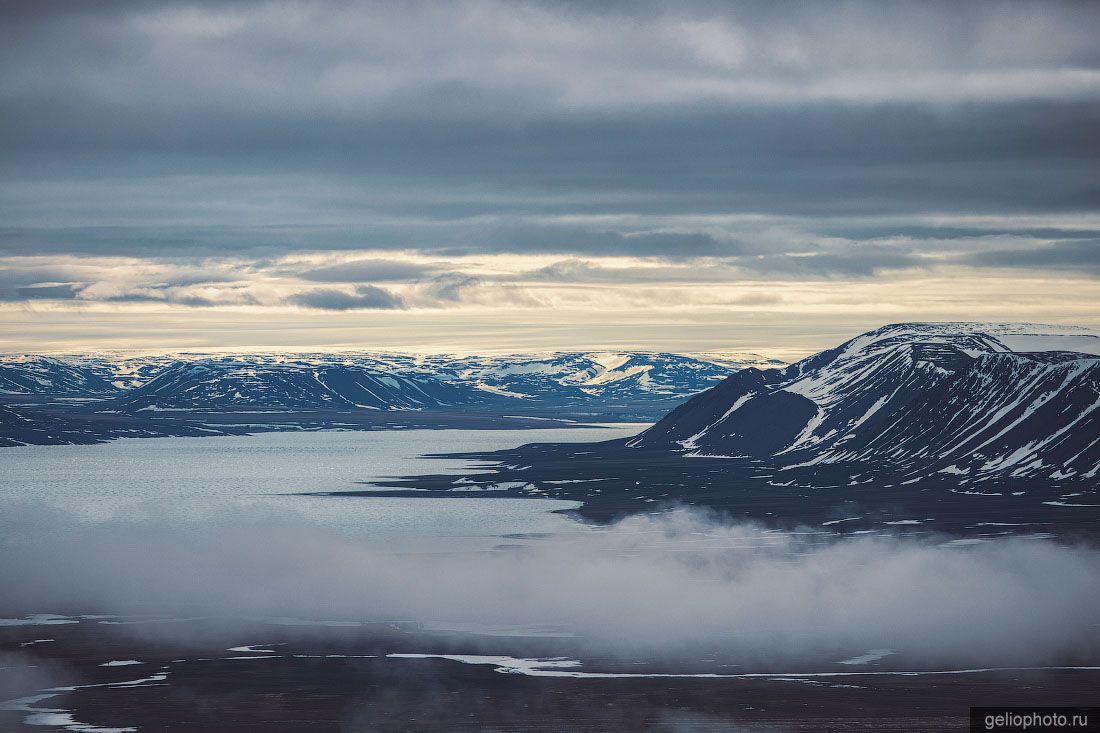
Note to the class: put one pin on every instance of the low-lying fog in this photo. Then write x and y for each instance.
(674, 585)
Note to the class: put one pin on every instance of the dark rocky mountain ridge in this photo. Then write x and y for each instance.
(922, 398)
(973, 429)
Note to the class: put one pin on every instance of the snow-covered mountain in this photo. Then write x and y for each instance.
(125, 371)
(628, 384)
(972, 401)
(231, 384)
(598, 380)
(39, 375)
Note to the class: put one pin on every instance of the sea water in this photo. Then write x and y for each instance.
(271, 476)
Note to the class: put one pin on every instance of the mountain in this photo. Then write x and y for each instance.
(973, 401)
(43, 376)
(979, 430)
(638, 384)
(626, 385)
(126, 371)
(93, 397)
(234, 384)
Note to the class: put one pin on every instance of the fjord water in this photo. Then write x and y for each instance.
(269, 476)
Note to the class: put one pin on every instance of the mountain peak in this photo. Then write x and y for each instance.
(975, 338)
(982, 399)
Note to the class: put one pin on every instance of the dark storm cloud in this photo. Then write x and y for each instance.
(192, 129)
(451, 193)
(802, 159)
(365, 297)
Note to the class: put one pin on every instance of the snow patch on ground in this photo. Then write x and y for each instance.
(872, 655)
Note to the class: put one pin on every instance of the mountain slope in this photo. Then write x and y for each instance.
(628, 385)
(43, 376)
(230, 384)
(650, 383)
(971, 400)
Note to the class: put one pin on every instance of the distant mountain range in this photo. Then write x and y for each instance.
(221, 385)
(192, 393)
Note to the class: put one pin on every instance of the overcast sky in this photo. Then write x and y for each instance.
(543, 175)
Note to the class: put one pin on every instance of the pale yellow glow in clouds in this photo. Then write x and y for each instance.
(493, 303)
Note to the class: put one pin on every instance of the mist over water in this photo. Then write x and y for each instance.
(672, 586)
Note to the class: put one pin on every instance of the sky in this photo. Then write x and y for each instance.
(550, 175)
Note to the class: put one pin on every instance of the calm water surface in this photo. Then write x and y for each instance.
(219, 478)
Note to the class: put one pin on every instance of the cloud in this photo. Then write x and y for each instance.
(177, 296)
(526, 108)
(1077, 256)
(132, 280)
(856, 261)
(451, 287)
(485, 58)
(38, 291)
(60, 291)
(167, 284)
(757, 298)
(604, 242)
(397, 143)
(365, 297)
(458, 289)
(370, 270)
(589, 271)
(838, 260)
(677, 585)
(38, 283)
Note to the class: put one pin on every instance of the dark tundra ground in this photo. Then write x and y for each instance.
(347, 679)
(614, 480)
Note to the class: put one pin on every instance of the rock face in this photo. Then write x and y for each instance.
(975, 401)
